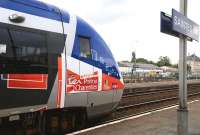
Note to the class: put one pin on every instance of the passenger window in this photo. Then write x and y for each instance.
(22, 52)
(85, 48)
(5, 44)
(31, 48)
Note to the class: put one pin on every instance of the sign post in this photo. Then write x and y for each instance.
(182, 112)
(180, 26)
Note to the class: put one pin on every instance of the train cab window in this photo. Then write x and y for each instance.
(4, 41)
(26, 52)
(31, 48)
(85, 48)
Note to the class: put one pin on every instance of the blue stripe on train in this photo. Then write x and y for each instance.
(109, 66)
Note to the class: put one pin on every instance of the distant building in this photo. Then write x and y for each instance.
(169, 69)
(194, 62)
(126, 68)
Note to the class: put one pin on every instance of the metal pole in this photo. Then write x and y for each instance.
(182, 127)
(133, 67)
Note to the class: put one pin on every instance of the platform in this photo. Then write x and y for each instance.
(162, 122)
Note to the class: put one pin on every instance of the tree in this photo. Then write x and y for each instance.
(151, 62)
(163, 61)
(133, 59)
(175, 65)
(142, 60)
(125, 61)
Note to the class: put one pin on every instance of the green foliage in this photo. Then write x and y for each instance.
(163, 61)
(142, 60)
(175, 65)
(126, 61)
(151, 62)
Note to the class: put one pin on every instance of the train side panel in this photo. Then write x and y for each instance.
(54, 60)
(29, 53)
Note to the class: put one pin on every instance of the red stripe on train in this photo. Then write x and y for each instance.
(59, 81)
(111, 83)
(27, 81)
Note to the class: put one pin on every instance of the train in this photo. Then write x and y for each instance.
(56, 71)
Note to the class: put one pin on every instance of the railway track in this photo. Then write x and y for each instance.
(155, 95)
(141, 100)
(138, 100)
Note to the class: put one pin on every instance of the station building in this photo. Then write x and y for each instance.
(142, 69)
(194, 62)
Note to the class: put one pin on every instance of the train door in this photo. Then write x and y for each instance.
(86, 70)
(25, 54)
(79, 73)
(100, 100)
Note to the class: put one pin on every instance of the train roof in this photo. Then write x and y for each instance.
(37, 4)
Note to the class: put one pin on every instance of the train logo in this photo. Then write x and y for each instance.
(86, 83)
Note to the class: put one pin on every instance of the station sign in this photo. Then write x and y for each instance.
(166, 25)
(184, 25)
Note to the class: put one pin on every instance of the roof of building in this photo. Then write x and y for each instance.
(138, 65)
(120, 64)
(193, 57)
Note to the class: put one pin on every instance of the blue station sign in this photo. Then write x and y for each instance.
(185, 26)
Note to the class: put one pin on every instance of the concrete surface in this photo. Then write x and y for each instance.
(157, 123)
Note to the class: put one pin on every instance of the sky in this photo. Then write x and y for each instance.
(133, 25)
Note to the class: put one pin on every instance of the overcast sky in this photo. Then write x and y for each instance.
(133, 25)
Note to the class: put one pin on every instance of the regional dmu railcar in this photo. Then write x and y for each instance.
(55, 69)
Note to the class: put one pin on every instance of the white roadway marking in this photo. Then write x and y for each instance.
(126, 119)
